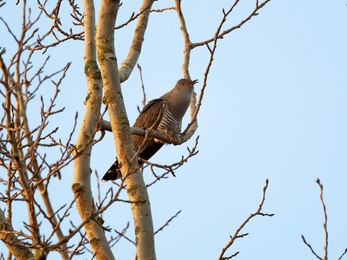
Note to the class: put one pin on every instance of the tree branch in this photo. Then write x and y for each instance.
(81, 184)
(325, 227)
(15, 246)
(151, 133)
(237, 232)
(113, 98)
(129, 63)
(221, 34)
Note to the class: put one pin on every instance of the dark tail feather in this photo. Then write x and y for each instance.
(150, 149)
(113, 173)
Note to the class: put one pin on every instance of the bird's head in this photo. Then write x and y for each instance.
(186, 84)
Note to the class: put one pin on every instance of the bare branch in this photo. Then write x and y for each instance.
(221, 34)
(342, 254)
(16, 247)
(163, 9)
(59, 34)
(325, 223)
(142, 86)
(167, 222)
(325, 227)
(122, 234)
(174, 166)
(134, 52)
(152, 133)
(188, 46)
(134, 16)
(81, 184)
(310, 247)
(237, 232)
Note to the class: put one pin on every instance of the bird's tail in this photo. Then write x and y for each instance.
(113, 173)
(150, 148)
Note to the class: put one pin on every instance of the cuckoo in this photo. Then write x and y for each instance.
(163, 114)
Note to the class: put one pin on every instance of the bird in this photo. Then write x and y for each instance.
(163, 114)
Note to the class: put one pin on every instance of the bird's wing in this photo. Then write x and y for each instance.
(149, 117)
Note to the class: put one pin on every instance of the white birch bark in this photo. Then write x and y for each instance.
(113, 98)
(81, 186)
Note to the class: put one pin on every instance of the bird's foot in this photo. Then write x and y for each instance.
(175, 139)
(168, 136)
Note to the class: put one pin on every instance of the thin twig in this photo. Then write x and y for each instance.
(325, 223)
(342, 254)
(142, 86)
(237, 232)
(325, 227)
(310, 247)
(167, 222)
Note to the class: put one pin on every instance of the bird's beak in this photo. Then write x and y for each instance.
(194, 82)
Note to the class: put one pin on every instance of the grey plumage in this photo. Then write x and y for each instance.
(163, 114)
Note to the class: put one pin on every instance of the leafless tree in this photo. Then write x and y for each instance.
(27, 139)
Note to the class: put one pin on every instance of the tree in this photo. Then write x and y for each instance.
(27, 142)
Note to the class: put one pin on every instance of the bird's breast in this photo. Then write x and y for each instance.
(169, 124)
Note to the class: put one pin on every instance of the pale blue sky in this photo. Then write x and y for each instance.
(275, 107)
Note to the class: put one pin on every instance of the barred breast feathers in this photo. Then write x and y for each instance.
(169, 124)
